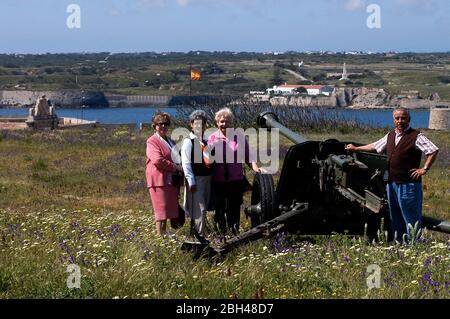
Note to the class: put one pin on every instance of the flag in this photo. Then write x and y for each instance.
(195, 75)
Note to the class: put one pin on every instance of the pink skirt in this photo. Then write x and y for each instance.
(164, 202)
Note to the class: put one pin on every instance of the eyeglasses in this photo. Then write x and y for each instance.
(163, 123)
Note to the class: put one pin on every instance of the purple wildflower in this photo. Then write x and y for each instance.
(14, 230)
(427, 262)
(330, 245)
(114, 230)
(389, 280)
(426, 278)
(307, 247)
(278, 243)
(147, 254)
(131, 236)
(74, 224)
(64, 247)
(99, 233)
(81, 233)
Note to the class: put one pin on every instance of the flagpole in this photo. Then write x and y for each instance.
(190, 79)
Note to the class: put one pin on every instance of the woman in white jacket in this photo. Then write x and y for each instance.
(194, 159)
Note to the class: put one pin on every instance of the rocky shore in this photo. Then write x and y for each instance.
(343, 98)
(22, 98)
(356, 98)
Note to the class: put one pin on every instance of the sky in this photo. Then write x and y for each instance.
(40, 26)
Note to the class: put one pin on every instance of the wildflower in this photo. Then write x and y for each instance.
(426, 278)
(427, 262)
(389, 280)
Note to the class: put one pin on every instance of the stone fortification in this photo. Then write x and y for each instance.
(57, 98)
(440, 118)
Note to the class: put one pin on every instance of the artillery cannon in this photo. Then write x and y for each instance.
(343, 192)
(321, 189)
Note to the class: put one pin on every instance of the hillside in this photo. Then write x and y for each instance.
(223, 73)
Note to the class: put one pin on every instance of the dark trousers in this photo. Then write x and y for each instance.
(227, 204)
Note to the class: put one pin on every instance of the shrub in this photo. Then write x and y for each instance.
(298, 119)
(444, 79)
(40, 165)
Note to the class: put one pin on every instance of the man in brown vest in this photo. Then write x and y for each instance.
(404, 147)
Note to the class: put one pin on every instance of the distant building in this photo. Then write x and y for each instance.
(257, 92)
(292, 89)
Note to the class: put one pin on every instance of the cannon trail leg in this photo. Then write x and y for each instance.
(266, 229)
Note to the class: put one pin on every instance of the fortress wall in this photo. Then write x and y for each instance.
(440, 119)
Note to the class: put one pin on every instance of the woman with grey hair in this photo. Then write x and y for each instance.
(228, 180)
(194, 159)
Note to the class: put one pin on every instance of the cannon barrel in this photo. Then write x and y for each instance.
(442, 226)
(270, 120)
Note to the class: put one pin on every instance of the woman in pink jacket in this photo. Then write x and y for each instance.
(160, 170)
(228, 181)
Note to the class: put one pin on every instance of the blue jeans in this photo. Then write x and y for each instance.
(405, 206)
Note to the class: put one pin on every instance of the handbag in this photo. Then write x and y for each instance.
(178, 222)
(177, 179)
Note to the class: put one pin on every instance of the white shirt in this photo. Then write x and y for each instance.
(422, 143)
(186, 152)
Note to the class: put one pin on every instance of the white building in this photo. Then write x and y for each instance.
(292, 89)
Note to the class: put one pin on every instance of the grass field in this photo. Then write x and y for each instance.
(79, 197)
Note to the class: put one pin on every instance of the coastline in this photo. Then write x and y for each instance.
(350, 98)
(356, 108)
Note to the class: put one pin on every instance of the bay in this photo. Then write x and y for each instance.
(370, 117)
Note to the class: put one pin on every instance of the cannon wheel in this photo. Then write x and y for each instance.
(263, 196)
